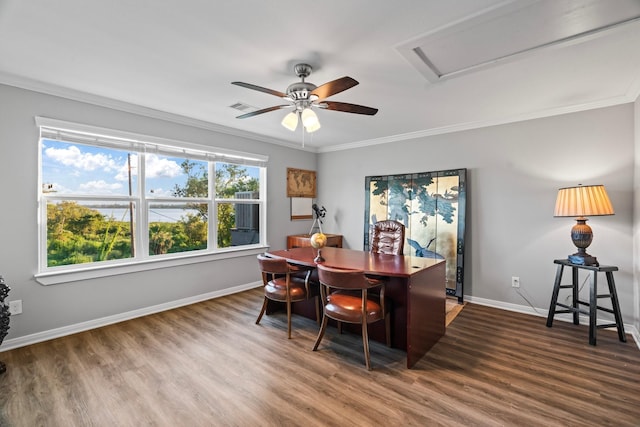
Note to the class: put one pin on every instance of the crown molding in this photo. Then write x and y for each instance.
(633, 92)
(609, 102)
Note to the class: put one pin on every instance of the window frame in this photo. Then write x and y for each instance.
(53, 129)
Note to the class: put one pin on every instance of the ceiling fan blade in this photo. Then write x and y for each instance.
(264, 110)
(348, 108)
(333, 87)
(261, 89)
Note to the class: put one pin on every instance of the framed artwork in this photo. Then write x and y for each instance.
(432, 206)
(301, 183)
(301, 208)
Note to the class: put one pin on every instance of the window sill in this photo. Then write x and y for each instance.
(93, 272)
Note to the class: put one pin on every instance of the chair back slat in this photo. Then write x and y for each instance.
(273, 265)
(343, 279)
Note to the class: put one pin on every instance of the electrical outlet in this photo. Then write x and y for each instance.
(15, 307)
(515, 282)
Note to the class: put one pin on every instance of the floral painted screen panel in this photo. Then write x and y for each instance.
(431, 205)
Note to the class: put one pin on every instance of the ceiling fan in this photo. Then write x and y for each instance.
(303, 96)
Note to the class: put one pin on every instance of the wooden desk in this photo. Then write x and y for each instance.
(302, 241)
(416, 286)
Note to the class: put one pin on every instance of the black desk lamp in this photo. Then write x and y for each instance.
(580, 202)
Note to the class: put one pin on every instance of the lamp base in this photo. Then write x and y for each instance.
(319, 257)
(583, 259)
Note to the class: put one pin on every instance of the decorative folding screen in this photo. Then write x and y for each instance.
(431, 205)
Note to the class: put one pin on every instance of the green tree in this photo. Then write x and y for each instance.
(230, 179)
(197, 185)
(77, 234)
(67, 219)
(160, 241)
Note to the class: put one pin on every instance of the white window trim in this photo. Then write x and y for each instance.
(165, 146)
(182, 259)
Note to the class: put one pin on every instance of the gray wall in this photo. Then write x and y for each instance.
(514, 172)
(57, 306)
(636, 216)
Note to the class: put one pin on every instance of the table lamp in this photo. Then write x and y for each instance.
(580, 202)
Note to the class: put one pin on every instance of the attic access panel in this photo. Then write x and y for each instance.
(511, 30)
(432, 207)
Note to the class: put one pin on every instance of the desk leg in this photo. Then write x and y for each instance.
(426, 306)
(593, 307)
(616, 306)
(554, 295)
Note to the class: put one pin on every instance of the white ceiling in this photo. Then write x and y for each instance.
(429, 66)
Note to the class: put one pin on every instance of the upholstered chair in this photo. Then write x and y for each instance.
(346, 298)
(285, 283)
(387, 237)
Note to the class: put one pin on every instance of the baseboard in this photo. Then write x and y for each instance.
(121, 317)
(543, 312)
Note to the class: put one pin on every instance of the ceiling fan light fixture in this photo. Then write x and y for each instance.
(313, 127)
(310, 119)
(290, 121)
(303, 95)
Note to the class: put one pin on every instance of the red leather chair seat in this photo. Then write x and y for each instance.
(347, 307)
(276, 289)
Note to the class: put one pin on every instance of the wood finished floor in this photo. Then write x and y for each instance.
(208, 364)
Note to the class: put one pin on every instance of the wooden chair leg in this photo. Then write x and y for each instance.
(325, 320)
(365, 343)
(317, 310)
(264, 308)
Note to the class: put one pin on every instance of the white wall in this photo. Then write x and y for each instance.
(46, 308)
(514, 172)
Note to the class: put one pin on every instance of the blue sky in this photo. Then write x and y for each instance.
(82, 169)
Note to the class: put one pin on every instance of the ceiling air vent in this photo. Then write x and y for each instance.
(241, 106)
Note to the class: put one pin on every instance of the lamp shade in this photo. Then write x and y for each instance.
(290, 121)
(313, 127)
(583, 200)
(310, 120)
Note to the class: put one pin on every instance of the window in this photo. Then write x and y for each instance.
(112, 198)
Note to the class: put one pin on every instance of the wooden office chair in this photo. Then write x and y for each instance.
(346, 298)
(285, 283)
(387, 237)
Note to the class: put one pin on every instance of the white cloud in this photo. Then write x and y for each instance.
(72, 156)
(156, 167)
(99, 187)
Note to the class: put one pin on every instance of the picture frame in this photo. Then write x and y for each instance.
(301, 208)
(301, 183)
